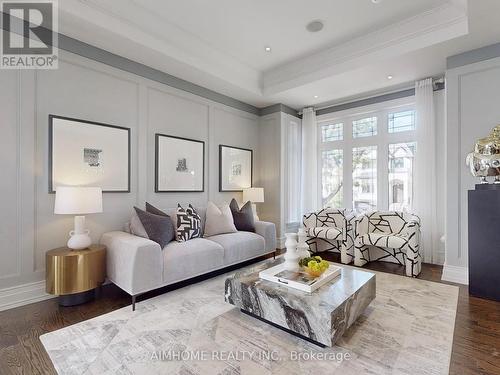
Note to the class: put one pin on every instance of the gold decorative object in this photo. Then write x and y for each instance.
(74, 271)
(484, 161)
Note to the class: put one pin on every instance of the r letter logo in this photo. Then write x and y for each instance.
(29, 35)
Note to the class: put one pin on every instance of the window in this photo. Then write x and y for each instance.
(364, 178)
(365, 127)
(401, 121)
(366, 157)
(401, 165)
(332, 178)
(332, 132)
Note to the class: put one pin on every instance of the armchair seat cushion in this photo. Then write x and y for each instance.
(391, 241)
(328, 233)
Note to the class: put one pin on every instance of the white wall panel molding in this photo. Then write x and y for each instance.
(472, 111)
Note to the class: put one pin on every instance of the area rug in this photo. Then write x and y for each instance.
(407, 329)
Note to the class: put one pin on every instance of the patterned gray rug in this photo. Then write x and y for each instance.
(407, 329)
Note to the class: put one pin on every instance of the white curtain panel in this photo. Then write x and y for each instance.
(309, 180)
(425, 172)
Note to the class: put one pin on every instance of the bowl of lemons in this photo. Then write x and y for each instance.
(314, 266)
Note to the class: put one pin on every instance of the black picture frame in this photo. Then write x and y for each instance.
(87, 122)
(221, 146)
(157, 139)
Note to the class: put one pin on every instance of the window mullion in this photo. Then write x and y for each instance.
(382, 163)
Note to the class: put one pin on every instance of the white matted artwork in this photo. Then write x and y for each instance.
(180, 164)
(235, 168)
(86, 153)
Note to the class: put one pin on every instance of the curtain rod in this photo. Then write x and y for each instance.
(438, 84)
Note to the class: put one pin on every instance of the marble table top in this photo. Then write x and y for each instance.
(321, 316)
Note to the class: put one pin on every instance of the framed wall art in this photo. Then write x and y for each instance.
(87, 153)
(179, 164)
(235, 168)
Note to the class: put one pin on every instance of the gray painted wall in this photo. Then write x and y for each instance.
(86, 89)
(472, 111)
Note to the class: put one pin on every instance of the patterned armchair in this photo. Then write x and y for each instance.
(331, 230)
(390, 236)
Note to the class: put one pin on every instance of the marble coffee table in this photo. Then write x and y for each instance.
(321, 317)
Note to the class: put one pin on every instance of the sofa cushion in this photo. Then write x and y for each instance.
(152, 209)
(188, 224)
(172, 212)
(136, 227)
(158, 228)
(183, 260)
(219, 220)
(240, 246)
(243, 217)
(328, 233)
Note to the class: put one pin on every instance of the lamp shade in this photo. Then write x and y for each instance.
(73, 200)
(255, 195)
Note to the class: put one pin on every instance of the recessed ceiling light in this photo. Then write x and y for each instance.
(314, 26)
(316, 96)
(376, 1)
(268, 49)
(390, 77)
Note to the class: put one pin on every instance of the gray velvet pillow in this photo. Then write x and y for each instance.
(153, 210)
(160, 229)
(243, 217)
(156, 211)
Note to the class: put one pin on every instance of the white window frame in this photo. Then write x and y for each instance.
(381, 140)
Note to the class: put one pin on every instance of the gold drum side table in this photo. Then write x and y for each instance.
(74, 275)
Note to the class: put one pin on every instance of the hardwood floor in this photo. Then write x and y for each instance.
(476, 344)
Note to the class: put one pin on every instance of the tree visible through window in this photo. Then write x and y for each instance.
(364, 178)
(401, 160)
(332, 178)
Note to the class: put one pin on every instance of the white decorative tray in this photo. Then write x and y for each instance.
(299, 280)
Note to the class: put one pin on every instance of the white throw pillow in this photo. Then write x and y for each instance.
(218, 220)
(136, 227)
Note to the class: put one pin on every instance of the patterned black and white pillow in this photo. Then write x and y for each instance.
(188, 224)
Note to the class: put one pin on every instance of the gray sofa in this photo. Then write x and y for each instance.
(138, 265)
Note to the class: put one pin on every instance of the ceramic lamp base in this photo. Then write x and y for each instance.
(79, 237)
(254, 209)
(79, 241)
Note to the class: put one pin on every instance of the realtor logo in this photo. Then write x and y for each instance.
(29, 35)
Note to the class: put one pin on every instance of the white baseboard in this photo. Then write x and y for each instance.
(23, 295)
(455, 274)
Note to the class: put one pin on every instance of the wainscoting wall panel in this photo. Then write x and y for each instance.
(82, 88)
(472, 112)
(10, 249)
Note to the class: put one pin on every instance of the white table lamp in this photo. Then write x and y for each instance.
(78, 201)
(254, 195)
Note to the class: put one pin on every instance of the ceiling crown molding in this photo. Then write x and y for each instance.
(132, 21)
(426, 29)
